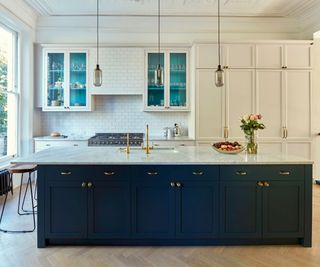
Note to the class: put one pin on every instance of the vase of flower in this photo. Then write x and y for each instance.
(250, 124)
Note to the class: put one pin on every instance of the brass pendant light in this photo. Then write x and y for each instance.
(219, 74)
(97, 75)
(158, 74)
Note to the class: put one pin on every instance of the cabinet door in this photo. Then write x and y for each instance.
(153, 207)
(269, 95)
(210, 103)
(178, 80)
(78, 93)
(298, 103)
(66, 209)
(240, 99)
(109, 210)
(269, 56)
(197, 209)
(239, 55)
(207, 56)
(155, 93)
(283, 209)
(299, 149)
(55, 81)
(240, 209)
(298, 56)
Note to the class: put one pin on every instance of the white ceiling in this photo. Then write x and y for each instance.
(238, 8)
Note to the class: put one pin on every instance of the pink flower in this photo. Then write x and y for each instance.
(252, 117)
(259, 116)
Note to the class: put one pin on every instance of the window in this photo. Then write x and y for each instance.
(8, 93)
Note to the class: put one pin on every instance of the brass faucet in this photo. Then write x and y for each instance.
(128, 144)
(147, 141)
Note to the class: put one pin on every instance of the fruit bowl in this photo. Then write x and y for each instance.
(228, 147)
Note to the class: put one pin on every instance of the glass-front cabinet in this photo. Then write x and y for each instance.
(173, 94)
(66, 81)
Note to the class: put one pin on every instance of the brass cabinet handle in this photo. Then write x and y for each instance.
(172, 184)
(152, 173)
(178, 184)
(75, 145)
(48, 145)
(241, 173)
(266, 184)
(109, 173)
(66, 173)
(284, 173)
(284, 132)
(260, 184)
(226, 132)
(90, 185)
(198, 173)
(84, 184)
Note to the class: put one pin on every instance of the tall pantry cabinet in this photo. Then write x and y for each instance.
(274, 79)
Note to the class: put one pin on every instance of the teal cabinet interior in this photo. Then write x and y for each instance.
(173, 94)
(66, 81)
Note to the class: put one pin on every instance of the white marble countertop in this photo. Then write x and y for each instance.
(178, 138)
(179, 155)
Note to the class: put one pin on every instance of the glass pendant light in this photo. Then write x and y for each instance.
(219, 74)
(158, 74)
(97, 75)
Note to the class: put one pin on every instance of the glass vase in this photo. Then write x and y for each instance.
(252, 146)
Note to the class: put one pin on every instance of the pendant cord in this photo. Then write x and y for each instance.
(97, 32)
(219, 49)
(159, 31)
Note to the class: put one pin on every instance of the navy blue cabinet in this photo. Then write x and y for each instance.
(197, 209)
(109, 209)
(241, 214)
(153, 208)
(65, 209)
(265, 202)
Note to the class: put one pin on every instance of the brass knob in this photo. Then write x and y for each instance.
(241, 173)
(90, 185)
(84, 184)
(260, 184)
(266, 184)
(198, 173)
(109, 173)
(172, 184)
(178, 184)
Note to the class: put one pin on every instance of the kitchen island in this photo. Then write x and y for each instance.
(173, 196)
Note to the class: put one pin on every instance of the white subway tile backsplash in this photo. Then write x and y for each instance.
(112, 114)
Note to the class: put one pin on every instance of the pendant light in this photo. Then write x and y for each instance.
(219, 74)
(158, 75)
(97, 75)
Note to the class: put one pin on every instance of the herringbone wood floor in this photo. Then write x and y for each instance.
(19, 250)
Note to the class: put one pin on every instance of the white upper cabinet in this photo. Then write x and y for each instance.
(240, 100)
(207, 56)
(298, 56)
(232, 56)
(269, 56)
(122, 71)
(210, 106)
(269, 97)
(298, 103)
(284, 56)
(239, 56)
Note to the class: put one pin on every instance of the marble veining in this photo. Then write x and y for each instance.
(178, 155)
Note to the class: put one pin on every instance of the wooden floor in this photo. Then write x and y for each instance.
(19, 250)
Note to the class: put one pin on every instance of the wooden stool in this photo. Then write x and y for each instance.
(16, 169)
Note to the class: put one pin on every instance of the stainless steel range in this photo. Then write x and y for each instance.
(116, 139)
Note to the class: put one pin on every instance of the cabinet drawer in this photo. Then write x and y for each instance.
(195, 172)
(65, 172)
(109, 172)
(258, 172)
(151, 172)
